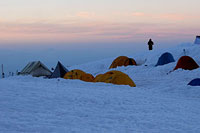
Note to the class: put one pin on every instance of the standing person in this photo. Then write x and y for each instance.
(150, 43)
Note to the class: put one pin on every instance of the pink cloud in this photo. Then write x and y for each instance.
(90, 32)
(164, 16)
(86, 14)
(171, 16)
(138, 14)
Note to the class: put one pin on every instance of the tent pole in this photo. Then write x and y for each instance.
(2, 71)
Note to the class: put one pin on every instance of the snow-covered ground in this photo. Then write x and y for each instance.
(161, 102)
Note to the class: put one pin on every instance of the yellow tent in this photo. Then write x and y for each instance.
(122, 61)
(78, 74)
(115, 77)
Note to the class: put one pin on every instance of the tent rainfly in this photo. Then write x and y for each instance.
(195, 82)
(197, 40)
(79, 74)
(36, 69)
(186, 63)
(59, 71)
(115, 77)
(122, 61)
(165, 59)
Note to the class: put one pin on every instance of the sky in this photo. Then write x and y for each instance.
(87, 30)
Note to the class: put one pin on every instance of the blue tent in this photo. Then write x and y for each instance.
(165, 59)
(195, 82)
(59, 71)
(197, 40)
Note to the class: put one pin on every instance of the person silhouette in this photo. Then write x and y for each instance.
(150, 43)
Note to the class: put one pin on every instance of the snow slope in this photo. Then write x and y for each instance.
(161, 102)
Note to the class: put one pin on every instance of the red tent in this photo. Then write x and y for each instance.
(187, 63)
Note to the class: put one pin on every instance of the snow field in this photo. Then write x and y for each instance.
(161, 102)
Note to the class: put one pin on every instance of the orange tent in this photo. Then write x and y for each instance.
(115, 77)
(187, 63)
(122, 61)
(78, 74)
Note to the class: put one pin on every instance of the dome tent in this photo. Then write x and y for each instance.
(115, 77)
(122, 61)
(59, 71)
(186, 63)
(197, 40)
(165, 59)
(78, 74)
(195, 82)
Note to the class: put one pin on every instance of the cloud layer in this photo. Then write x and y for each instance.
(91, 31)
